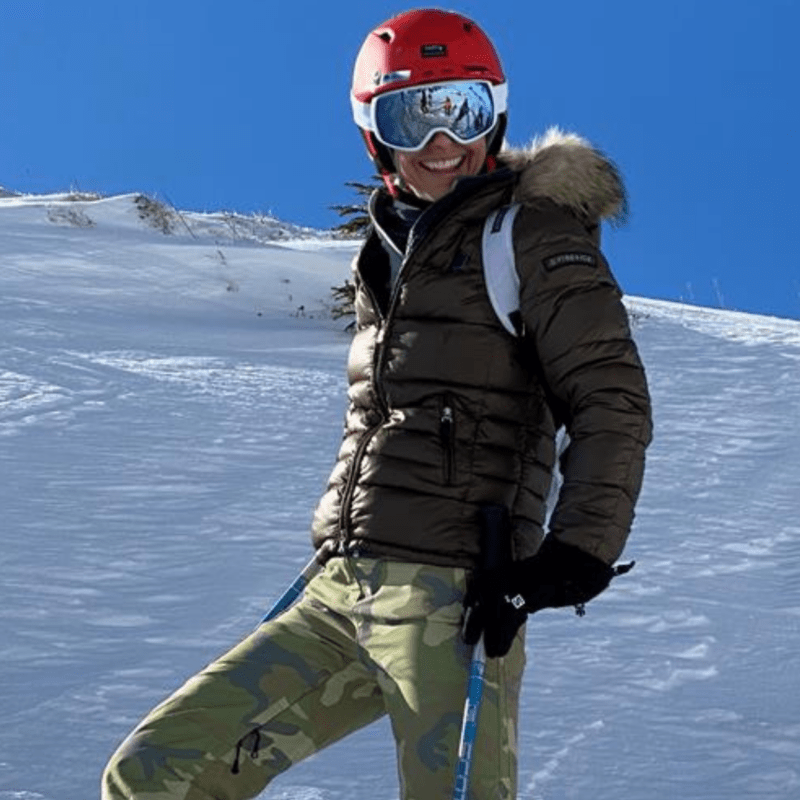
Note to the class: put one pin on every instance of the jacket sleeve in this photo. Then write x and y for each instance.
(588, 362)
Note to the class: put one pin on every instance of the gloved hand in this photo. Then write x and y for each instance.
(498, 601)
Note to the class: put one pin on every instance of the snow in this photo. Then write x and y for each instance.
(170, 406)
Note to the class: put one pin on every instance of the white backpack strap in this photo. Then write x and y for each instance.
(499, 267)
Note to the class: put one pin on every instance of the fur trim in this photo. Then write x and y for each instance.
(566, 169)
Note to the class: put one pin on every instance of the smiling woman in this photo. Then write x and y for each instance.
(429, 96)
(446, 457)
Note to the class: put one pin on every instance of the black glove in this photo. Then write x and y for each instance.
(498, 601)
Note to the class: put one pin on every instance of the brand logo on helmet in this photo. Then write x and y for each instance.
(433, 50)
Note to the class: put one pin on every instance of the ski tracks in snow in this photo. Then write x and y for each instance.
(138, 484)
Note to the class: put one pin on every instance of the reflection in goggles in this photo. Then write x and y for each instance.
(407, 118)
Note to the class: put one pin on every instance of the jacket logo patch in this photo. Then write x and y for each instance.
(563, 259)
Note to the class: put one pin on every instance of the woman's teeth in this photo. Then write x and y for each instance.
(443, 166)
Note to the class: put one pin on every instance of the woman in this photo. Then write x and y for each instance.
(449, 415)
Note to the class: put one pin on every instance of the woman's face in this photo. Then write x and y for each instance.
(431, 172)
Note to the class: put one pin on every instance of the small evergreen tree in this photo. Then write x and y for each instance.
(355, 227)
(344, 302)
(358, 221)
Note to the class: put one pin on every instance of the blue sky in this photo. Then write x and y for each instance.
(244, 106)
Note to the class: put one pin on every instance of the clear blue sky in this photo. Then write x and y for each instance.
(243, 105)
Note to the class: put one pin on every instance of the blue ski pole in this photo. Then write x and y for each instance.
(301, 581)
(495, 551)
(469, 723)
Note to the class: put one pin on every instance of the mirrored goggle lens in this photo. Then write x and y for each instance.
(407, 118)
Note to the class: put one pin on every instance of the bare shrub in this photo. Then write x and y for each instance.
(76, 217)
(156, 214)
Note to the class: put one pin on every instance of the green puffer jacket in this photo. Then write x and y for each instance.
(448, 411)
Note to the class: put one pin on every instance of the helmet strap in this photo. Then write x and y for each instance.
(382, 159)
(388, 180)
(379, 153)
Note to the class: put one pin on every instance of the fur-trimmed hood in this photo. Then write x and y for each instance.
(566, 169)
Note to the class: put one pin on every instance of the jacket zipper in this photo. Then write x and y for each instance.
(377, 367)
(366, 438)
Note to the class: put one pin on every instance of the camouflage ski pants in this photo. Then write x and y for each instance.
(369, 637)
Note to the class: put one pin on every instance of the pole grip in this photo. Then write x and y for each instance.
(495, 536)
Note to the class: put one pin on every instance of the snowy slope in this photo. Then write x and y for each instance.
(170, 405)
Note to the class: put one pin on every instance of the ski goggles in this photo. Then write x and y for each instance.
(407, 119)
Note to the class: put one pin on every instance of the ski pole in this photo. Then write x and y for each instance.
(495, 551)
(469, 723)
(301, 581)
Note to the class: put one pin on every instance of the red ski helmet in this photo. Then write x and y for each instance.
(420, 47)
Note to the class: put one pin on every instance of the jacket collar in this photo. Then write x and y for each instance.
(560, 167)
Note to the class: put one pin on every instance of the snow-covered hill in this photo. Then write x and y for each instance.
(170, 405)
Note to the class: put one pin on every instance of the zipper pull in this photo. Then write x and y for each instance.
(447, 417)
(446, 425)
